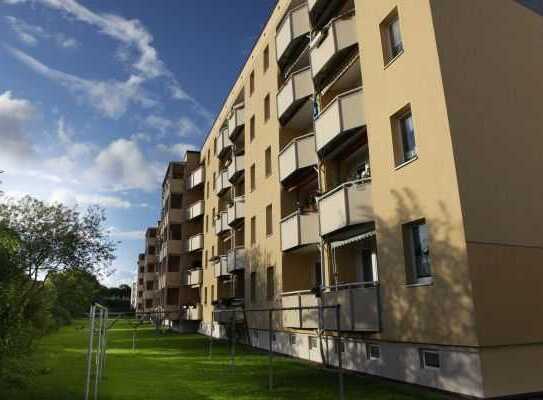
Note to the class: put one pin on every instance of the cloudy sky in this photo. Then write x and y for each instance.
(96, 96)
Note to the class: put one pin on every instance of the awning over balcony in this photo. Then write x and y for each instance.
(353, 239)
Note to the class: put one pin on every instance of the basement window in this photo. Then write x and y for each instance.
(292, 340)
(429, 359)
(373, 351)
(339, 346)
(313, 343)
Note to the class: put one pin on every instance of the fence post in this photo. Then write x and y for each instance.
(339, 355)
(89, 352)
(98, 350)
(270, 350)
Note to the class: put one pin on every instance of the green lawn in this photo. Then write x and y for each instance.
(175, 366)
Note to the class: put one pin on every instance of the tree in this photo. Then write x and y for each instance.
(54, 238)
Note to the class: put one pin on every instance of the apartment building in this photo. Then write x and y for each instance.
(150, 273)
(181, 243)
(139, 286)
(375, 155)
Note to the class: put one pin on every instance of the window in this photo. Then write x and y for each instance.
(253, 287)
(215, 146)
(213, 251)
(149, 285)
(292, 339)
(270, 288)
(172, 296)
(268, 161)
(252, 128)
(269, 222)
(213, 217)
(266, 58)
(150, 267)
(403, 136)
(267, 109)
(391, 37)
(208, 189)
(339, 346)
(176, 201)
(252, 176)
(417, 252)
(313, 343)
(214, 182)
(252, 83)
(148, 303)
(140, 281)
(176, 232)
(205, 295)
(205, 259)
(207, 223)
(373, 351)
(429, 359)
(253, 230)
(273, 337)
(208, 156)
(174, 263)
(151, 250)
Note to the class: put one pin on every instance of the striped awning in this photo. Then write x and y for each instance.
(352, 239)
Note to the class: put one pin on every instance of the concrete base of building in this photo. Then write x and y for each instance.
(460, 370)
(183, 326)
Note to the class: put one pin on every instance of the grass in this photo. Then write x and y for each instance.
(175, 366)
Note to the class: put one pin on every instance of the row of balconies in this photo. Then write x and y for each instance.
(234, 260)
(359, 309)
(192, 244)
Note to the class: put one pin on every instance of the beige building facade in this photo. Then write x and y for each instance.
(378, 155)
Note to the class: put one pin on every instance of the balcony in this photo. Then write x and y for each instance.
(236, 168)
(236, 121)
(299, 229)
(194, 277)
(359, 309)
(221, 223)
(340, 118)
(149, 276)
(292, 34)
(196, 178)
(347, 205)
(223, 142)
(221, 267)
(193, 313)
(195, 243)
(321, 10)
(172, 216)
(171, 246)
(236, 260)
(295, 91)
(300, 319)
(227, 316)
(222, 183)
(339, 39)
(172, 185)
(236, 211)
(148, 294)
(169, 279)
(195, 210)
(297, 157)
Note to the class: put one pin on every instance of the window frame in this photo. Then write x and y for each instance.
(369, 354)
(391, 51)
(252, 128)
(424, 364)
(267, 108)
(270, 283)
(252, 177)
(268, 162)
(266, 58)
(401, 138)
(410, 253)
(269, 220)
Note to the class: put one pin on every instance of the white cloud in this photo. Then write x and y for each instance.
(158, 123)
(140, 137)
(69, 197)
(31, 34)
(177, 150)
(74, 150)
(126, 234)
(122, 166)
(186, 127)
(183, 127)
(111, 98)
(15, 113)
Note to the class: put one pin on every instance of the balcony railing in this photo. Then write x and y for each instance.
(236, 168)
(169, 279)
(236, 211)
(195, 243)
(222, 183)
(196, 178)
(221, 223)
(223, 142)
(301, 319)
(340, 117)
(172, 216)
(297, 156)
(237, 259)
(194, 277)
(297, 89)
(193, 313)
(348, 204)
(221, 267)
(299, 229)
(292, 33)
(236, 121)
(340, 37)
(359, 309)
(195, 210)
(172, 185)
(171, 246)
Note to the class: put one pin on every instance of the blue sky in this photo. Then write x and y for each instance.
(96, 96)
